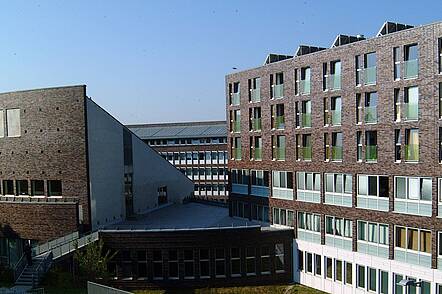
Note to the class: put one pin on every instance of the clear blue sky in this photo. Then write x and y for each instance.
(159, 61)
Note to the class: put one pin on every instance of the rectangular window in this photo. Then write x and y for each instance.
(157, 261)
(279, 258)
(307, 147)
(235, 262)
(412, 145)
(173, 264)
(373, 232)
(338, 270)
(338, 183)
(189, 268)
(13, 122)
(376, 186)
(337, 146)
(359, 145)
(309, 262)
(325, 112)
(397, 106)
(265, 260)
(318, 263)
(370, 107)
(8, 187)
(277, 85)
(439, 50)
(440, 100)
(372, 279)
(255, 90)
(361, 276)
(411, 103)
(236, 148)
(397, 145)
(306, 114)
(37, 188)
(371, 146)
(234, 93)
(278, 147)
(282, 179)
(204, 263)
(220, 262)
(304, 83)
(413, 239)
(21, 187)
(2, 123)
(359, 108)
(413, 188)
(277, 115)
(348, 273)
(338, 227)
(309, 222)
(411, 64)
(324, 76)
(336, 108)
(308, 181)
(327, 152)
(384, 282)
(397, 63)
(300, 260)
(328, 268)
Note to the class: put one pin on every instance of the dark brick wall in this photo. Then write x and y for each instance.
(52, 146)
(428, 124)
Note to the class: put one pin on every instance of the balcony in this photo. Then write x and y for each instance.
(255, 95)
(306, 120)
(278, 91)
(279, 153)
(370, 75)
(279, 122)
(411, 111)
(236, 126)
(411, 69)
(307, 153)
(304, 87)
(235, 98)
(335, 117)
(237, 153)
(256, 124)
(337, 153)
(334, 82)
(258, 154)
(371, 114)
(371, 153)
(412, 152)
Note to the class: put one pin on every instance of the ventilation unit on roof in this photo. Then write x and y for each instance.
(276, 57)
(344, 39)
(391, 27)
(305, 49)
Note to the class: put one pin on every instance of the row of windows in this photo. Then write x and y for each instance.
(182, 157)
(200, 141)
(366, 111)
(250, 211)
(31, 187)
(202, 263)
(214, 189)
(363, 277)
(208, 171)
(365, 70)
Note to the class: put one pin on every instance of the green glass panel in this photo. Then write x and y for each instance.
(371, 152)
(411, 69)
(336, 153)
(412, 152)
(370, 75)
(371, 114)
(411, 111)
(278, 91)
(306, 120)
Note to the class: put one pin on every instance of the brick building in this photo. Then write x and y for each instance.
(68, 165)
(343, 144)
(197, 149)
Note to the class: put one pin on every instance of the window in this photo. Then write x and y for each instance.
(304, 83)
(411, 103)
(338, 270)
(142, 265)
(375, 186)
(250, 261)
(338, 183)
(21, 187)
(157, 261)
(283, 217)
(173, 264)
(397, 63)
(371, 146)
(309, 222)
(8, 187)
(308, 181)
(439, 50)
(411, 145)
(397, 145)
(282, 179)
(2, 123)
(413, 239)
(413, 188)
(309, 262)
(327, 153)
(370, 68)
(411, 66)
(236, 148)
(265, 260)
(359, 146)
(54, 188)
(278, 147)
(397, 105)
(307, 147)
(277, 114)
(334, 79)
(235, 262)
(318, 263)
(256, 148)
(348, 273)
(204, 263)
(300, 260)
(361, 276)
(325, 112)
(338, 227)
(255, 90)
(220, 262)
(279, 257)
(37, 188)
(384, 282)
(328, 268)
(306, 114)
(13, 122)
(277, 85)
(189, 269)
(255, 119)
(235, 122)
(359, 109)
(373, 232)
(370, 107)
(234, 93)
(337, 144)
(260, 178)
(336, 110)
(372, 279)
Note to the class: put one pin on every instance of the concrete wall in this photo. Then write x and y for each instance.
(106, 172)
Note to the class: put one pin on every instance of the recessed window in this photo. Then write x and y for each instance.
(37, 188)
(235, 262)
(21, 187)
(54, 188)
(13, 128)
(8, 187)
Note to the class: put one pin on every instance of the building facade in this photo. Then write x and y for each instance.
(344, 145)
(197, 149)
(69, 166)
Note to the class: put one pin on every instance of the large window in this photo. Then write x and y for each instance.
(235, 262)
(255, 90)
(308, 181)
(309, 222)
(279, 258)
(220, 263)
(413, 239)
(54, 188)
(412, 145)
(373, 232)
(21, 187)
(413, 188)
(278, 146)
(173, 264)
(283, 217)
(157, 265)
(338, 183)
(282, 179)
(204, 263)
(411, 103)
(265, 260)
(260, 178)
(375, 186)
(338, 227)
(251, 261)
(411, 61)
(13, 123)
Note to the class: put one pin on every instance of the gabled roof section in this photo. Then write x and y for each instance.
(306, 49)
(390, 27)
(276, 57)
(345, 39)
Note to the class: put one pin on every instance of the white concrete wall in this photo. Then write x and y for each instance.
(152, 171)
(106, 166)
(106, 171)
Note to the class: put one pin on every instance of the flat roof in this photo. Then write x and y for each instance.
(186, 216)
(183, 130)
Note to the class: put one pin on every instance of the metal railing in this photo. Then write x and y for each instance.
(19, 266)
(39, 249)
(33, 199)
(41, 269)
(94, 288)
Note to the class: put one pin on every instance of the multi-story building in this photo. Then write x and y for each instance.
(67, 166)
(197, 149)
(344, 145)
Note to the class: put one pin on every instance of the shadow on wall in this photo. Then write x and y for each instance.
(7, 232)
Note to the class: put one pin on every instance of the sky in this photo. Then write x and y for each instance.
(165, 61)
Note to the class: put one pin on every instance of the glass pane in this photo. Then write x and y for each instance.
(348, 184)
(413, 188)
(398, 289)
(384, 282)
(338, 183)
(338, 270)
(329, 267)
(348, 273)
(412, 239)
(426, 189)
(425, 240)
(329, 183)
(361, 276)
(372, 186)
(362, 185)
(383, 234)
(400, 237)
(372, 279)
(329, 225)
(401, 191)
(372, 233)
(361, 230)
(317, 184)
(309, 185)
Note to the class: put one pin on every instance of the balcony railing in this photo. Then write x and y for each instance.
(255, 95)
(411, 111)
(304, 87)
(411, 69)
(256, 124)
(412, 152)
(279, 122)
(337, 153)
(334, 82)
(237, 126)
(279, 153)
(306, 120)
(278, 91)
(307, 153)
(370, 75)
(258, 154)
(371, 152)
(235, 98)
(335, 117)
(237, 153)
(371, 114)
